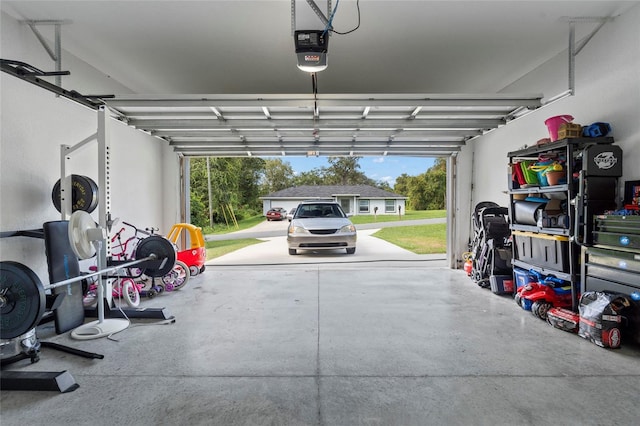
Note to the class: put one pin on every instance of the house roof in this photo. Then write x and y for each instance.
(329, 191)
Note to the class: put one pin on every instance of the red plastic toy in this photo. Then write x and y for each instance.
(191, 249)
(539, 298)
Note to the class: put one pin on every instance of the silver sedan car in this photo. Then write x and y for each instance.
(321, 225)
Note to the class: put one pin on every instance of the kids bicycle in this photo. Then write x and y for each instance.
(179, 276)
(127, 288)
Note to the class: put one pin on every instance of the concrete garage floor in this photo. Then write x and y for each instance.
(370, 343)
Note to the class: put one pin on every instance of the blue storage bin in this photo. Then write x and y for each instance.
(522, 277)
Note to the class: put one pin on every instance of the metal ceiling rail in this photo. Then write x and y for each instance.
(321, 124)
(197, 152)
(326, 100)
(409, 134)
(338, 125)
(300, 143)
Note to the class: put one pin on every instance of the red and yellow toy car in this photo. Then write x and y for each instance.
(191, 249)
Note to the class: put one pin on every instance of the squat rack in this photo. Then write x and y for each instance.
(102, 137)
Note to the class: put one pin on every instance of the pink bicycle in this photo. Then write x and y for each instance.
(126, 288)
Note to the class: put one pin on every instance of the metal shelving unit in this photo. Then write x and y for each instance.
(579, 206)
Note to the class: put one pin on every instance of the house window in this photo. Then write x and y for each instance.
(363, 206)
(389, 206)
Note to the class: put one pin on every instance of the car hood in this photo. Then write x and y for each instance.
(321, 222)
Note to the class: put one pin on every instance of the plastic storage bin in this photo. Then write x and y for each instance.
(501, 284)
(522, 277)
(543, 250)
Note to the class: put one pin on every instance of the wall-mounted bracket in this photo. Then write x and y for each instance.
(56, 52)
(575, 48)
(311, 17)
(32, 74)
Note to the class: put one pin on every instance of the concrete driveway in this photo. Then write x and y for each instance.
(274, 251)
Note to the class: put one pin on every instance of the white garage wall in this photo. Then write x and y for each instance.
(34, 123)
(607, 89)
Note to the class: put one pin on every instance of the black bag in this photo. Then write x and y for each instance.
(602, 317)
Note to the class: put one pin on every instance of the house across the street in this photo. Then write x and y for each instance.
(354, 199)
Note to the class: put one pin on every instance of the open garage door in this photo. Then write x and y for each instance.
(410, 125)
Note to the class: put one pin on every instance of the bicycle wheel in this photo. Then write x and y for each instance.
(178, 277)
(130, 292)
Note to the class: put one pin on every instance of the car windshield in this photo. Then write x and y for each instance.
(319, 210)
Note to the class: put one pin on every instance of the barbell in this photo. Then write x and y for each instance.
(22, 294)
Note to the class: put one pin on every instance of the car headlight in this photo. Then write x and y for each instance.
(297, 230)
(348, 228)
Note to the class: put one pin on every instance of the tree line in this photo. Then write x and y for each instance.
(232, 186)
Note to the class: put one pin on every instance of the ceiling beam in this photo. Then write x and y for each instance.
(320, 124)
(330, 100)
(301, 115)
(292, 144)
(302, 152)
(268, 134)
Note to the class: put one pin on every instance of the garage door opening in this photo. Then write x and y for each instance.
(413, 194)
(331, 125)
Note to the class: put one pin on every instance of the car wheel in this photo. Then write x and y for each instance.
(293, 252)
(351, 250)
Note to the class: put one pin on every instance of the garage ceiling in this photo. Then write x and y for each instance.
(378, 96)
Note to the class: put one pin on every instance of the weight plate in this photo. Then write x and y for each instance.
(22, 299)
(84, 194)
(163, 249)
(79, 223)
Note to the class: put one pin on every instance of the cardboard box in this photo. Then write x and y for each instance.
(569, 130)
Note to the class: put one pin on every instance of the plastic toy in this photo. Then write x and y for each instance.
(539, 297)
(191, 249)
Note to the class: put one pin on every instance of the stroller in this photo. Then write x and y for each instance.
(491, 246)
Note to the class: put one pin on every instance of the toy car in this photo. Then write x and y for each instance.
(191, 249)
(539, 297)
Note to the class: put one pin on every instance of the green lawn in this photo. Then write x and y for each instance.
(220, 248)
(421, 239)
(219, 229)
(409, 215)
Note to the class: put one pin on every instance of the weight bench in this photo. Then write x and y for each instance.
(64, 306)
(63, 264)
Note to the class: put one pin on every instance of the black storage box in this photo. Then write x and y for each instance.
(543, 250)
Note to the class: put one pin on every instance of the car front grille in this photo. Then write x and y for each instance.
(322, 245)
(322, 231)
